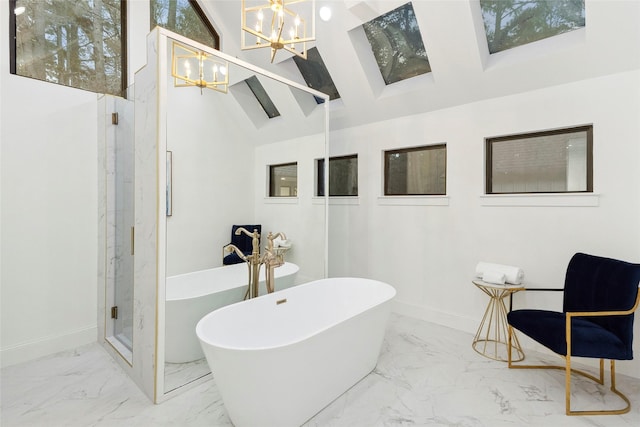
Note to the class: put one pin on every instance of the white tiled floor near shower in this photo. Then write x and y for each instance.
(427, 375)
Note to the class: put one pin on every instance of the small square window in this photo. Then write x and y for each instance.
(416, 171)
(343, 176)
(283, 180)
(558, 161)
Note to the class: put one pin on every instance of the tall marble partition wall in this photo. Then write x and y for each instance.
(139, 362)
(150, 161)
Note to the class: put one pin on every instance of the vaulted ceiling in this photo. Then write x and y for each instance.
(463, 71)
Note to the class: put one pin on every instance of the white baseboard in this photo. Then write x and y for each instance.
(34, 349)
(450, 320)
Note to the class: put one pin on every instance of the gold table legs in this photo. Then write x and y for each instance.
(491, 339)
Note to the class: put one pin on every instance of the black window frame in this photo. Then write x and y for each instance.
(272, 181)
(387, 153)
(203, 17)
(589, 157)
(320, 175)
(123, 56)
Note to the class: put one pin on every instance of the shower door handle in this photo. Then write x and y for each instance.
(133, 240)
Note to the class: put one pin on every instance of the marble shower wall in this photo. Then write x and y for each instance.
(140, 364)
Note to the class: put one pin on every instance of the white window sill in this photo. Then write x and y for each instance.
(413, 200)
(337, 200)
(564, 199)
(281, 200)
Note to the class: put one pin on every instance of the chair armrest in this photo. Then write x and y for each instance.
(571, 314)
(534, 290)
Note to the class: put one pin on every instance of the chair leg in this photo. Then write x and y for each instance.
(567, 384)
(509, 333)
(568, 371)
(600, 380)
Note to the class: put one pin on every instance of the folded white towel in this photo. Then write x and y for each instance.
(494, 277)
(285, 243)
(513, 275)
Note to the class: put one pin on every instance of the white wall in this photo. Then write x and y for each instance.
(212, 177)
(49, 208)
(428, 253)
(49, 217)
(301, 218)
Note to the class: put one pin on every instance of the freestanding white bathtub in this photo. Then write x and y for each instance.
(190, 296)
(279, 359)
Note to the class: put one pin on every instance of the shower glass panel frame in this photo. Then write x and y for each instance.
(119, 189)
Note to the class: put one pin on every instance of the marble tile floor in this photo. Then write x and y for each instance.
(427, 375)
(177, 374)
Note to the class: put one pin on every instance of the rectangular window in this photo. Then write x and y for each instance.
(283, 180)
(343, 176)
(77, 44)
(558, 161)
(416, 171)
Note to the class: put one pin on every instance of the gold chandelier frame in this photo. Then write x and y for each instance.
(192, 67)
(284, 13)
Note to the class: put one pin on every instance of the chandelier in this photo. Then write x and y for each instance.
(278, 24)
(191, 67)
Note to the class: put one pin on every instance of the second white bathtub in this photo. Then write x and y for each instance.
(190, 296)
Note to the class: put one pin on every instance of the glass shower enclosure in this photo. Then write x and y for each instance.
(118, 118)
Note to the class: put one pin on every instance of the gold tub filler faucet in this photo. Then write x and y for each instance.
(272, 258)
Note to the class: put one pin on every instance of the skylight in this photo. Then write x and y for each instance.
(511, 23)
(316, 74)
(397, 44)
(263, 98)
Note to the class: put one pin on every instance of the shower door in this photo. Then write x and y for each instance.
(120, 220)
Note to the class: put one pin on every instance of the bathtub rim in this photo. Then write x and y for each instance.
(295, 269)
(385, 299)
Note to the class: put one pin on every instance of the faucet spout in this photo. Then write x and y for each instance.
(255, 242)
(279, 234)
(233, 248)
(241, 230)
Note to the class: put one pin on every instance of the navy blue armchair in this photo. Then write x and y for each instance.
(599, 300)
(242, 242)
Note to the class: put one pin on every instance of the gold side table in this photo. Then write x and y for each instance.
(492, 336)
